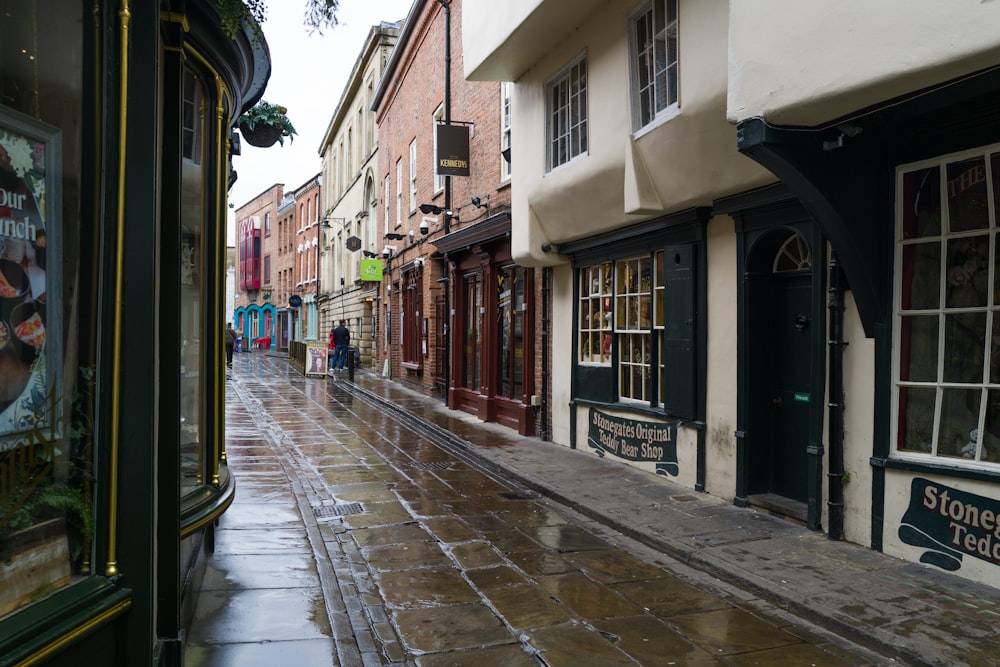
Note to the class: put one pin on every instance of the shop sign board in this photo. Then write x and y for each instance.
(452, 150)
(634, 440)
(371, 270)
(316, 359)
(951, 524)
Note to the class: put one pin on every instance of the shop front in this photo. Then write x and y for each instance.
(114, 161)
(638, 381)
(496, 326)
(906, 193)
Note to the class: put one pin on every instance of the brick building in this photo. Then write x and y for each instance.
(255, 310)
(307, 221)
(459, 318)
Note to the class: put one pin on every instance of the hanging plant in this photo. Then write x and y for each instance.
(265, 123)
(319, 14)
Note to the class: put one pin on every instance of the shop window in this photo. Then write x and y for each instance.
(511, 308)
(654, 62)
(472, 345)
(47, 378)
(567, 112)
(412, 324)
(596, 288)
(637, 317)
(633, 326)
(948, 310)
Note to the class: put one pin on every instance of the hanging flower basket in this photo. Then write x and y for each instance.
(265, 123)
(261, 136)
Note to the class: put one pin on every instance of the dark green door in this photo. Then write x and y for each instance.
(780, 351)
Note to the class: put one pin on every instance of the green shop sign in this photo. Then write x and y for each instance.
(635, 440)
(371, 270)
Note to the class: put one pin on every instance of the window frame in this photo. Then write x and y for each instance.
(637, 62)
(413, 175)
(911, 245)
(565, 77)
(506, 115)
(411, 315)
(399, 192)
(436, 119)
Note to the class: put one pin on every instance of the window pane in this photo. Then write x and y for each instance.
(916, 419)
(920, 276)
(968, 273)
(959, 417)
(967, 200)
(918, 349)
(964, 338)
(921, 205)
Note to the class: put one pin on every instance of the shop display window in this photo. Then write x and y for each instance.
(47, 378)
(947, 305)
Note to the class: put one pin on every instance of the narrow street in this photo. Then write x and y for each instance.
(354, 540)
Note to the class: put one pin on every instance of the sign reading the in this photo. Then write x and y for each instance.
(951, 524)
(452, 150)
(635, 440)
(354, 244)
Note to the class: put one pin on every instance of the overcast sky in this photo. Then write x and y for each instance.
(308, 75)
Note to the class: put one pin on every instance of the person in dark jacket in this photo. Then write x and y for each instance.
(341, 341)
(230, 343)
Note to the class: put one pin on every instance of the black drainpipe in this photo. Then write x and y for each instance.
(543, 432)
(835, 476)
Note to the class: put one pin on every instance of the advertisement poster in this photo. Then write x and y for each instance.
(316, 359)
(29, 324)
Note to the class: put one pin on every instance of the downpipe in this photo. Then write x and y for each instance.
(835, 434)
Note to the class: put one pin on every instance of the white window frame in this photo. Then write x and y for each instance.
(663, 102)
(387, 198)
(565, 128)
(506, 89)
(413, 175)
(942, 442)
(437, 119)
(399, 192)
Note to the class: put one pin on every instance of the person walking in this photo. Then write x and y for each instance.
(341, 339)
(230, 344)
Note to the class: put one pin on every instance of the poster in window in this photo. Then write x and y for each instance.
(30, 280)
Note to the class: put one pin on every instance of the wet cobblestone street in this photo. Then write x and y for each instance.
(355, 540)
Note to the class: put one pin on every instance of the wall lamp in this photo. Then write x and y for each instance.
(395, 237)
(369, 254)
(432, 209)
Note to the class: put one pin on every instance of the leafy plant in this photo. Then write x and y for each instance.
(70, 497)
(265, 113)
(319, 14)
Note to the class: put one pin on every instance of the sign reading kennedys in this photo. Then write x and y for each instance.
(635, 440)
(951, 524)
(452, 150)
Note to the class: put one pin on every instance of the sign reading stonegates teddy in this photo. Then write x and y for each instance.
(951, 524)
(634, 440)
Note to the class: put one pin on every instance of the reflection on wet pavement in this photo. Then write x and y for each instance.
(437, 562)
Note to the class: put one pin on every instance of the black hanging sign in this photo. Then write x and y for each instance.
(452, 150)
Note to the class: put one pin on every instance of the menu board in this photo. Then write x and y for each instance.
(30, 304)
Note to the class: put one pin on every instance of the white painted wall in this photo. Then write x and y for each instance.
(806, 63)
(721, 389)
(690, 160)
